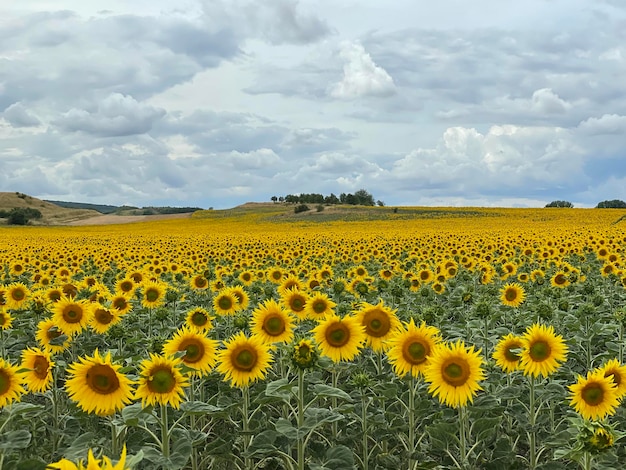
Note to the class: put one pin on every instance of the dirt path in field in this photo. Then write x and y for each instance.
(126, 219)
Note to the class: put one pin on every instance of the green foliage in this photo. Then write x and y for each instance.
(20, 215)
(361, 198)
(560, 204)
(612, 204)
(301, 208)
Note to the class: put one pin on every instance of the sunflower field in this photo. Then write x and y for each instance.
(414, 339)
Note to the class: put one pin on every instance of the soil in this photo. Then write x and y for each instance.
(126, 219)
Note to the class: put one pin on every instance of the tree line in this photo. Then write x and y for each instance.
(612, 204)
(359, 198)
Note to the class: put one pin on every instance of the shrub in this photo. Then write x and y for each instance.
(319, 207)
(613, 204)
(20, 216)
(301, 208)
(560, 204)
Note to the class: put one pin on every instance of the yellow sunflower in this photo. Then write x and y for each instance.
(319, 306)
(16, 296)
(241, 296)
(71, 316)
(454, 372)
(512, 294)
(411, 347)
(127, 286)
(199, 282)
(103, 318)
(6, 320)
(340, 339)
(121, 302)
(246, 277)
(160, 381)
(199, 319)
(38, 377)
(97, 386)
(225, 303)
(153, 294)
(542, 351)
(295, 300)
(11, 383)
(380, 323)
(617, 373)
(559, 279)
(53, 294)
(271, 323)
(594, 397)
(244, 360)
(51, 338)
(200, 351)
(508, 353)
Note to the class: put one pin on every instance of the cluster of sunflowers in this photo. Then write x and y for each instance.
(234, 309)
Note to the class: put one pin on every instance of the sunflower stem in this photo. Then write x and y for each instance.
(54, 397)
(365, 451)
(411, 421)
(532, 435)
(587, 461)
(192, 422)
(165, 437)
(463, 437)
(114, 445)
(333, 400)
(245, 422)
(621, 343)
(301, 406)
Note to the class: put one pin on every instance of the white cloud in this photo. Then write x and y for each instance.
(606, 124)
(19, 116)
(361, 76)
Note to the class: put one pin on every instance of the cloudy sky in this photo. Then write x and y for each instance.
(213, 103)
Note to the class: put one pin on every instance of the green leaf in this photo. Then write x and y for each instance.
(78, 448)
(284, 427)
(263, 444)
(199, 408)
(280, 388)
(339, 457)
(14, 440)
(322, 390)
(134, 460)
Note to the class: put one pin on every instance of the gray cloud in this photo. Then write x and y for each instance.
(19, 116)
(115, 115)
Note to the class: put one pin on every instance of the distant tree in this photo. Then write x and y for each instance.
(364, 198)
(274, 199)
(319, 208)
(281, 199)
(380, 203)
(342, 198)
(21, 216)
(560, 204)
(332, 199)
(612, 204)
(301, 208)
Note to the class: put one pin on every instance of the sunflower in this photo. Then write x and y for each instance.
(6, 320)
(244, 360)
(153, 294)
(200, 351)
(340, 339)
(304, 354)
(38, 377)
(103, 318)
(507, 352)
(16, 269)
(121, 303)
(617, 373)
(97, 386)
(559, 279)
(512, 294)
(425, 276)
(454, 371)
(594, 397)
(161, 382)
(199, 282)
(11, 384)
(295, 300)
(290, 282)
(199, 319)
(225, 302)
(241, 296)
(319, 306)
(16, 295)
(53, 294)
(271, 323)
(542, 351)
(72, 316)
(380, 323)
(51, 338)
(275, 275)
(411, 347)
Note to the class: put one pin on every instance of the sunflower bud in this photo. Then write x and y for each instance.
(304, 355)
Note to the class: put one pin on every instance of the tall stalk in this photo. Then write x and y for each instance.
(411, 421)
(165, 432)
(532, 433)
(301, 406)
(245, 421)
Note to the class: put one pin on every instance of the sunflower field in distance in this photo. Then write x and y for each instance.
(423, 338)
